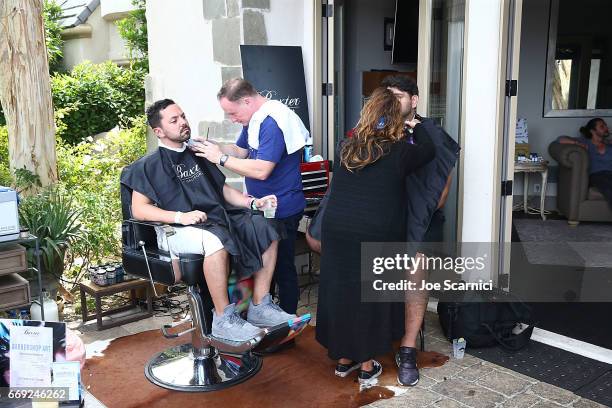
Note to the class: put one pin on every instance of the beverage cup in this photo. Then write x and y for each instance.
(269, 209)
(459, 348)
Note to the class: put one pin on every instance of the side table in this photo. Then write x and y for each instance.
(533, 167)
(87, 287)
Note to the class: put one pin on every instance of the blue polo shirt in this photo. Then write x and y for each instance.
(285, 181)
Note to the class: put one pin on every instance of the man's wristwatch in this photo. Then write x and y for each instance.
(223, 159)
(253, 206)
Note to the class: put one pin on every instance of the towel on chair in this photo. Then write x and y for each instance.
(295, 133)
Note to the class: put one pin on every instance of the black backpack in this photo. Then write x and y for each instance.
(486, 319)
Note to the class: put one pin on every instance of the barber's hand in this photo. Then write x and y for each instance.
(412, 123)
(261, 202)
(193, 217)
(210, 151)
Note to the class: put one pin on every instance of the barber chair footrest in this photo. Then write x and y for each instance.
(178, 369)
(282, 333)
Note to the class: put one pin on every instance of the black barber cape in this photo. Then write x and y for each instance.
(181, 181)
(425, 185)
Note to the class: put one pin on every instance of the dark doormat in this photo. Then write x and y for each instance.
(554, 291)
(583, 376)
(588, 322)
(599, 390)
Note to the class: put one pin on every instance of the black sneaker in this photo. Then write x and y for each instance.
(342, 370)
(407, 372)
(367, 377)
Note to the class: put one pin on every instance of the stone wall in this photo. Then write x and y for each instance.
(190, 61)
(234, 22)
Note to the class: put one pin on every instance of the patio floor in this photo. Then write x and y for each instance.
(469, 382)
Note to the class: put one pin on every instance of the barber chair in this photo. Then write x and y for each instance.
(206, 363)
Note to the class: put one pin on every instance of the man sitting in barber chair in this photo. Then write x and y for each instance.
(173, 186)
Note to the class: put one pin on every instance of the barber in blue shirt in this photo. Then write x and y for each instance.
(268, 169)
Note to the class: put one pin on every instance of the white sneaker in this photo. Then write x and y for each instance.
(230, 326)
(267, 313)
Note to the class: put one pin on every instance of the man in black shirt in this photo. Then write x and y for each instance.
(438, 174)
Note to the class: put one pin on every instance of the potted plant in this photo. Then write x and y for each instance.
(52, 217)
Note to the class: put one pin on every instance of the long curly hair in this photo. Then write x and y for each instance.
(381, 124)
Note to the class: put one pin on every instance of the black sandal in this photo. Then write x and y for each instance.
(369, 377)
(342, 370)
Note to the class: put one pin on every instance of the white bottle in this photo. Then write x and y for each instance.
(50, 307)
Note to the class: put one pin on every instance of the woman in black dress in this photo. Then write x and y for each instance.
(366, 204)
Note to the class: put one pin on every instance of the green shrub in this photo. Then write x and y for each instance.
(85, 200)
(97, 97)
(133, 29)
(6, 179)
(53, 217)
(52, 13)
(90, 171)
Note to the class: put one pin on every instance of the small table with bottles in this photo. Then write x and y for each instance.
(97, 291)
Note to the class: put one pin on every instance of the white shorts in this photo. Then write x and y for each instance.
(188, 240)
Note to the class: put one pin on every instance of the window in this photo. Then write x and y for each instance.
(579, 67)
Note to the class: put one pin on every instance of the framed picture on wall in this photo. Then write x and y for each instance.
(389, 29)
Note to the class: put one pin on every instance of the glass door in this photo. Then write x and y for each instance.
(445, 86)
(511, 45)
(328, 74)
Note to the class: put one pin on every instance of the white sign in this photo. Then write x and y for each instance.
(31, 355)
(67, 374)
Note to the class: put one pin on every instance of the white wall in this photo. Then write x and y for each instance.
(114, 9)
(289, 23)
(481, 66)
(103, 44)
(180, 59)
(94, 48)
(181, 62)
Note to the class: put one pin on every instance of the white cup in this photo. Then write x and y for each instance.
(459, 348)
(269, 209)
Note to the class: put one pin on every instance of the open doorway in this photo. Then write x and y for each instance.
(560, 251)
(370, 40)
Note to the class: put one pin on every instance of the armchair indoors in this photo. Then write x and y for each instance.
(575, 199)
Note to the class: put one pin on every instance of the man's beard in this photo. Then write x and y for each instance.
(410, 114)
(185, 135)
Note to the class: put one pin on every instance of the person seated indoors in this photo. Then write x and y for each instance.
(174, 186)
(599, 148)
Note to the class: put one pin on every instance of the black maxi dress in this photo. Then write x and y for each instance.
(367, 205)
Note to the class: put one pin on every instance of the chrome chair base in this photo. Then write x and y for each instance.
(178, 369)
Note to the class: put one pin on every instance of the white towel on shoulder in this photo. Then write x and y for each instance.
(294, 131)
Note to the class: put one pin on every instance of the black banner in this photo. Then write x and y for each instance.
(277, 72)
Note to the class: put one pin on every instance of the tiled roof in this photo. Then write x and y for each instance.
(76, 12)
